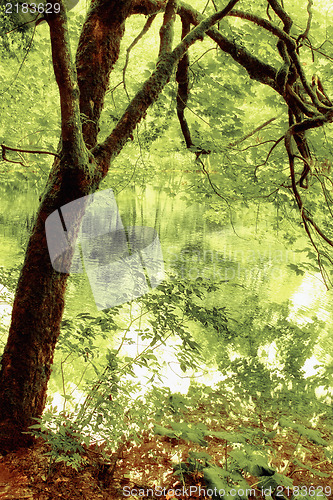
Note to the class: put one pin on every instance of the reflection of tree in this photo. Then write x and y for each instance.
(82, 162)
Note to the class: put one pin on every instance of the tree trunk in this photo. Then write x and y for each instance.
(35, 325)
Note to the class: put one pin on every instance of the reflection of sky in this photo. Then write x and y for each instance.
(171, 374)
(310, 298)
(268, 354)
(6, 299)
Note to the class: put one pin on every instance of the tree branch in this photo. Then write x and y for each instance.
(305, 35)
(66, 78)
(253, 131)
(144, 30)
(147, 7)
(97, 53)
(182, 78)
(282, 14)
(294, 130)
(258, 70)
(166, 31)
(267, 25)
(35, 152)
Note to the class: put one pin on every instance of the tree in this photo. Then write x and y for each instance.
(82, 162)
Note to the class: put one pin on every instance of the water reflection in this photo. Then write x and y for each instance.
(193, 248)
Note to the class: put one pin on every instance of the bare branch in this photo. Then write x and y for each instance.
(269, 154)
(144, 30)
(32, 151)
(253, 131)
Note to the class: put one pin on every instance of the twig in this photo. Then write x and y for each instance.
(24, 58)
(7, 148)
(253, 132)
(217, 193)
(136, 40)
(269, 154)
(257, 145)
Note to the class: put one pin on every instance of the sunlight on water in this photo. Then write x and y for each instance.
(6, 300)
(310, 298)
(308, 304)
(57, 401)
(171, 374)
(311, 367)
(268, 354)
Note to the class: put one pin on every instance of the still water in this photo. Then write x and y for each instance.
(245, 258)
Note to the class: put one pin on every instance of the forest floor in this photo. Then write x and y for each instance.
(146, 470)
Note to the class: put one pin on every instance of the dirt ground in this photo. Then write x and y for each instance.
(147, 470)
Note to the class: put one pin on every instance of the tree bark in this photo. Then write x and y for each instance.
(36, 316)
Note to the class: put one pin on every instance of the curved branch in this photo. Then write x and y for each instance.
(282, 14)
(144, 30)
(35, 152)
(257, 69)
(296, 129)
(291, 48)
(182, 78)
(267, 25)
(305, 35)
(276, 142)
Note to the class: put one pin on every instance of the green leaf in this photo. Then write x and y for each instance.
(311, 434)
(313, 471)
(229, 436)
